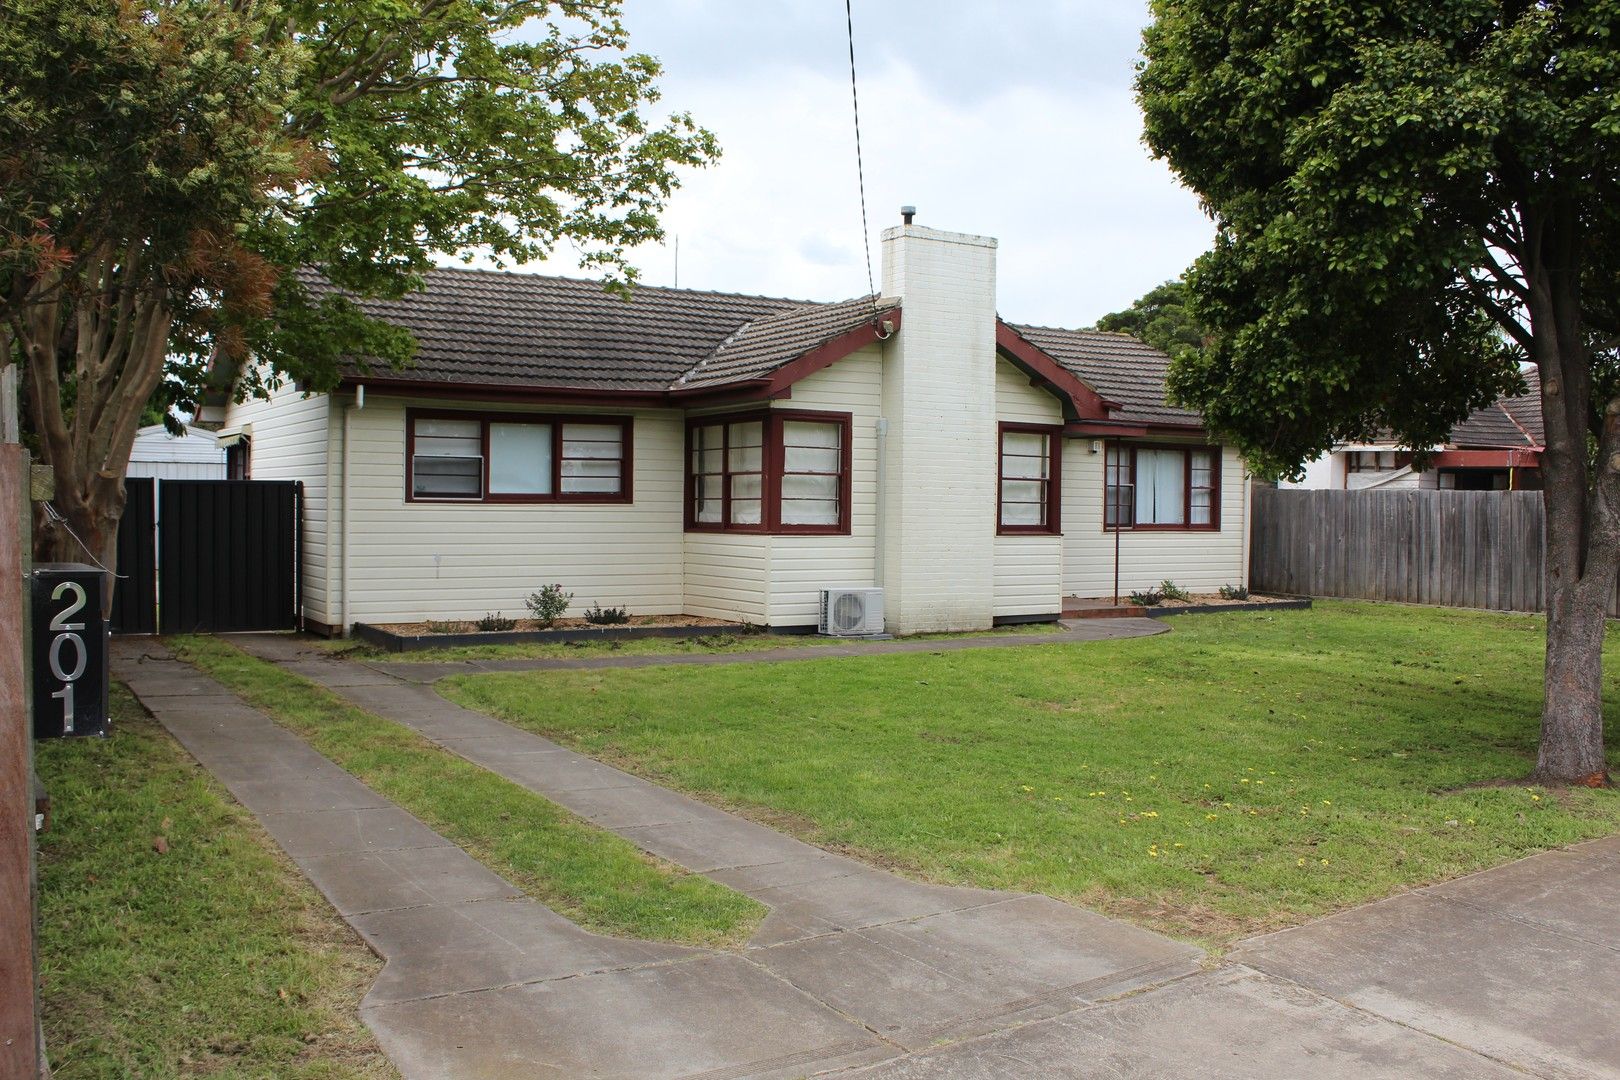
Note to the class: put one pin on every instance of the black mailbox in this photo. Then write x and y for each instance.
(70, 651)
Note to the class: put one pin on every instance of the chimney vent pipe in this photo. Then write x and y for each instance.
(907, 213)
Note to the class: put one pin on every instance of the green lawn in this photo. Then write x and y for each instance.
(589, 875)
(1244, 772)
(712, 643)
(214, 958)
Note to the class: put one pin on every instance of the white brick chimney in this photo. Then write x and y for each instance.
(939, 396)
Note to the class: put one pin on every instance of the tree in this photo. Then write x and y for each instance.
(168, 168)
(1160, 318)
(1410, 198)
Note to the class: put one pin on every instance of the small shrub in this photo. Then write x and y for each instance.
(1234, 592)
(442, 626)
(495, 623)
(548, 605)
(601, 616)
(1147, 598)
(1169, 590)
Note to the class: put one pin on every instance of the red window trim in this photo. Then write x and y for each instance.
(625, 493)
(771, 482)
(1054, 479)
(1187, 450)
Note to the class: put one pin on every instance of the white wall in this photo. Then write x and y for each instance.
(939, 397)
(196, 455)
(1193, 559)
(415, 560)
(1028, 568)
(290, 442)
(801, 566)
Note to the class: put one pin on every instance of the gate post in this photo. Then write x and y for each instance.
(21, 1054)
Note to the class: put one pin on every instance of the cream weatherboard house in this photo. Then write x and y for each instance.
(732, 456)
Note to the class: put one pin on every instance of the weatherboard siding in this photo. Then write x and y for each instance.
(1201, 560)
(801, 566)
(1028, 567)
(289, 441)
(438, 560)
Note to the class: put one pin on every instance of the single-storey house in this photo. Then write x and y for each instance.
(709, 454)
(1497, 448)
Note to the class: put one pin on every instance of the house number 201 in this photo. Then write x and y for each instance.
(67, 641)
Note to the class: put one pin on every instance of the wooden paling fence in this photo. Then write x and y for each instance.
(1478, 549)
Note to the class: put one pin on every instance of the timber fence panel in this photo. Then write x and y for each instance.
(1481, 549)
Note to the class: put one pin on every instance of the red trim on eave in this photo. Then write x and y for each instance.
(830, 352)
(1486, 459)
(1112, 428)
(1087, 403)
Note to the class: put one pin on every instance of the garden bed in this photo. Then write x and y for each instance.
(1214, 602)
(417, 636)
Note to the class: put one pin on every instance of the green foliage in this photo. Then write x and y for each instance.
(548, 604)
(601, 616)
(1234, 592)
(1147, 598)
(1400, 192)
(1171, 591)
(232, 145)
(443, 626)
(1160, 318)
(1250, 770)
(214, 957)
(495, 623)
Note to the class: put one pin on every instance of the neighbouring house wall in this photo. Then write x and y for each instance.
(416, 560)
(290, 441)
(801, 566)
(1028, 568)
(939, 389)
(1193, 559)
(196, 455)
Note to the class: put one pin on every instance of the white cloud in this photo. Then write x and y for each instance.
(974, 133)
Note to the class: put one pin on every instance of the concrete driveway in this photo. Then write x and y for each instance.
(862, 973)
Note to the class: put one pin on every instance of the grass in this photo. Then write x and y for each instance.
(589, 875)
(214, 958)
(1247, 771)
(705, 644)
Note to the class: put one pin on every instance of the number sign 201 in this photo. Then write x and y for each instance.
(70, 652)
(67, 633)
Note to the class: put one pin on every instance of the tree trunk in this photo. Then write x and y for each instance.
(1583, 531)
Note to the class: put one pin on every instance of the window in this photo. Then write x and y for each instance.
(1029, 488)
(1161, 487)
(471, 458)
(1373, 460)
(780, 472)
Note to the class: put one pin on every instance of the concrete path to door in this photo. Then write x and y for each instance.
(862, 973)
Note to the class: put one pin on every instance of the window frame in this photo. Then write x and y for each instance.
(625, 494)
(1054, 478)
(1187, 450)
(773, 457)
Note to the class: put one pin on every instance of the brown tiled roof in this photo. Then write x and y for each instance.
(1509, 422)
(1121, 368)
(480, 326)
(761, 346)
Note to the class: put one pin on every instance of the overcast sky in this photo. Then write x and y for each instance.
(1012, 120)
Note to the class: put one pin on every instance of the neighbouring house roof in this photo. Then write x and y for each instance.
(477, 327)
(1127, 372)
(1508, 423)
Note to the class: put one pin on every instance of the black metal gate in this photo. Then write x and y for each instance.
(225, 558)
(134, 600)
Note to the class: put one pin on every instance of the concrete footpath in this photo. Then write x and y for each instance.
(862, 972)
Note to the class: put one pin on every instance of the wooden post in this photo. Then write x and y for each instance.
(20, 1054)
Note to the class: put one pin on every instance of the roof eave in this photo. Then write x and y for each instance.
(1081, 401)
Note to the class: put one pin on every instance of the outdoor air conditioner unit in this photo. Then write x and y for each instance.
(852, 612)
